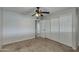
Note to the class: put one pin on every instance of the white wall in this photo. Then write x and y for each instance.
(0, 27)
(17, 27)
(62, 27)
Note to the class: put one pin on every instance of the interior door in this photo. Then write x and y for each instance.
(0, 28)
(66, 29)
(55, 29)
(48, 28)
(42, 28)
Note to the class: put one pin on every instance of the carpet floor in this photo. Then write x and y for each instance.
(36, 45)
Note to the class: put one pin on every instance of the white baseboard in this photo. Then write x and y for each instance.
(12, 40)
(9, 42)
(78, 43)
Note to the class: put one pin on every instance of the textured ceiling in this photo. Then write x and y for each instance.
(30, 10)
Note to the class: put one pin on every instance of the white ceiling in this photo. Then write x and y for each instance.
(29, 10)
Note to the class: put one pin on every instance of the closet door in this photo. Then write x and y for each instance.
(66, 29)
(38, 29)
(55, 29)
(0, 28)
(47, 28)
(42, 28)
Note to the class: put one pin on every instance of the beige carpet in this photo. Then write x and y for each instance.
(36, 45)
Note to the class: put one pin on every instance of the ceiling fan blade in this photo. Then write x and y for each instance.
(46, 12)
(41, 15)
(33, 15)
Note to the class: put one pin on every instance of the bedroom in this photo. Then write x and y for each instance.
(54, 32)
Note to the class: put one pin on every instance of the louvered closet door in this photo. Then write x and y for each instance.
(66, 29)
(0, 28)
(47, 27)
(38, 29)
(42, 28)
(55, 29)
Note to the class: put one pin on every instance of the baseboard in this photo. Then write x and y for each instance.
(78, 44)
(13, 40)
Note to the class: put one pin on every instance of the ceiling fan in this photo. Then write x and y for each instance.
(39, 12)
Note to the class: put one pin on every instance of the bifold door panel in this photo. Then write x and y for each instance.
(66, 29)
(55, 29)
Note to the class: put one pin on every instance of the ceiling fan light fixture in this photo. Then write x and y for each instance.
(37, 15)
